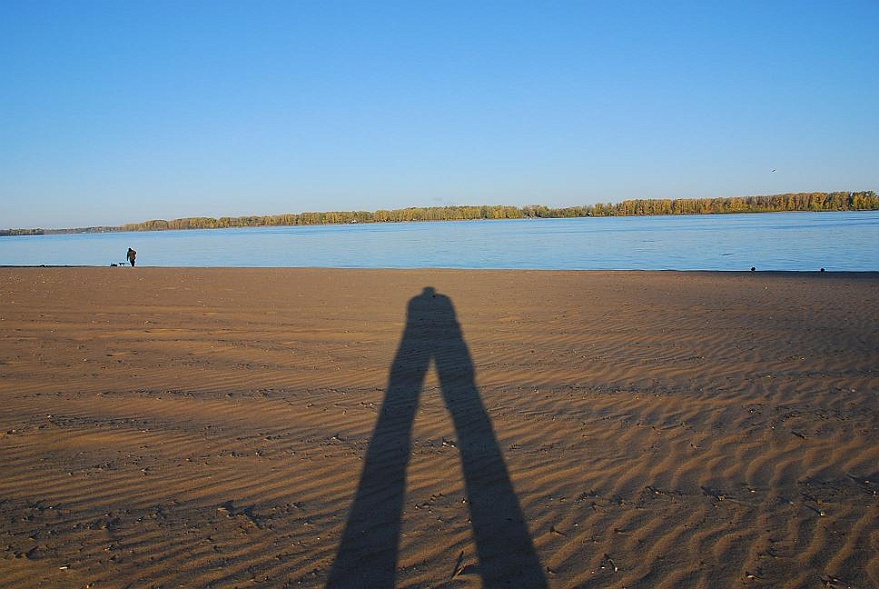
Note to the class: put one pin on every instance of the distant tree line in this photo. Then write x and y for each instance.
(802, 201)
(6, 232)
(102, 229)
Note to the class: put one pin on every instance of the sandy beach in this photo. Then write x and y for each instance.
(438, 428)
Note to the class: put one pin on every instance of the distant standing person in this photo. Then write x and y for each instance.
(131, 255)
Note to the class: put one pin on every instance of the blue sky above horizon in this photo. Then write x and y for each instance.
(123, 111)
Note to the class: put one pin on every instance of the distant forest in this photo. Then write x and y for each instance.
(803, 201)
(811, 201)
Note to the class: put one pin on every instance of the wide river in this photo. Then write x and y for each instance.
(837, 241)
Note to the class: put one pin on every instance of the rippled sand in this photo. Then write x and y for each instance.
(209, 428)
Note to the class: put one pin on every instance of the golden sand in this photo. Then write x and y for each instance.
(347, 428)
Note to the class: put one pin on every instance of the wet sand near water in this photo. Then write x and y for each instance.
(340, 428)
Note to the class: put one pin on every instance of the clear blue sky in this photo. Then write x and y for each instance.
(120, 111)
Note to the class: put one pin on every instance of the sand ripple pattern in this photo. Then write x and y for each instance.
(207, 427)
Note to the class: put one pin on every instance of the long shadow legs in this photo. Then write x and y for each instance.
(367, 554)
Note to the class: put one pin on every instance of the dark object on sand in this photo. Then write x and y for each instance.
(131, 255)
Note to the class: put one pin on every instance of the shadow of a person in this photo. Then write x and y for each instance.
(367, 554)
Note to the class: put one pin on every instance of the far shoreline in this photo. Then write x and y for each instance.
(800, 202)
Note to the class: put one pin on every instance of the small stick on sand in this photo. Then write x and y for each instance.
(458, 568)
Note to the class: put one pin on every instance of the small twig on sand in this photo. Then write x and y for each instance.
(458, 568)
(607, 561)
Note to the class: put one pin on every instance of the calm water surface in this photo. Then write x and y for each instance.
(844, 241)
